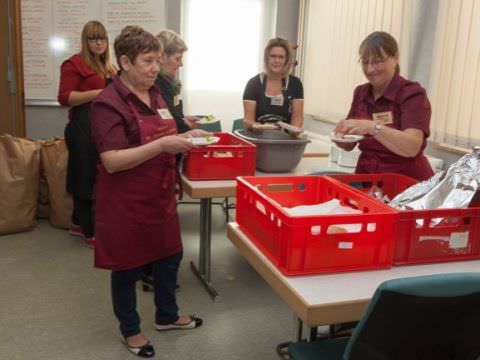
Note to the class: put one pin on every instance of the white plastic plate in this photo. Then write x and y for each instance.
(346, 138)
(289, 127)
(204, 140)
(206, 120)
(267, 126)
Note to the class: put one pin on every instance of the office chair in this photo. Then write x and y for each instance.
(215, 126)
(237, 124)
(418, 318)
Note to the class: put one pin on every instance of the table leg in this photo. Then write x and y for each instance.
(299, 330)
(204, 264)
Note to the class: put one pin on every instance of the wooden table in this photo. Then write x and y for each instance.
(332, 298)
(208, 189)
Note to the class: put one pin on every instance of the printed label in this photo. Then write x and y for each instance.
(164, 114)
(458, 240)
(384, 118)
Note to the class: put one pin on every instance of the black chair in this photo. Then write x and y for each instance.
(215, 126)
(418, 318)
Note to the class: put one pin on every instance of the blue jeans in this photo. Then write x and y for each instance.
(124, 296)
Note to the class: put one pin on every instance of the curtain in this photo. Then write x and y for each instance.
(455, 84)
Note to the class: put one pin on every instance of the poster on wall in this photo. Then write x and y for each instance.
(51, 31)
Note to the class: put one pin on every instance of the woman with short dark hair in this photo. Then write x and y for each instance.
(136, 216)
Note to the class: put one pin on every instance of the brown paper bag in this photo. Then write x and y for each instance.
(54, 156)
(19, 177)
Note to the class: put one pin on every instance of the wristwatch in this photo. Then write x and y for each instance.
(376, 128)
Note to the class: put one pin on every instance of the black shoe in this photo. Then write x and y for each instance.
(147, 283)
(145, 351)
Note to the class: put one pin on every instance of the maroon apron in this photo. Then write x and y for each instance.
(136, 211)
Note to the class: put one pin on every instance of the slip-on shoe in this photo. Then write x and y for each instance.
(75, 230)
(145, 351)
(89, 242)
(194, 323)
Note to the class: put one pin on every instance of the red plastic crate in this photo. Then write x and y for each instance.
(300, 245)
(227, 159)
(417, 240)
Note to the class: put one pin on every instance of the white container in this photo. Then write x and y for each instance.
(334, 152)
(348, 158)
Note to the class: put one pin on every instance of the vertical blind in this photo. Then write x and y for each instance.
(335, 29)
(455, 80)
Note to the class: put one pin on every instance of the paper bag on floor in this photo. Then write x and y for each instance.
(54, 155)
(19, 178)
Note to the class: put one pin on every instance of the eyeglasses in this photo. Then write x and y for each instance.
(374, 62)
(277, 57)
(96, 39)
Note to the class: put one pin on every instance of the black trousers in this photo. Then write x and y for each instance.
(83, 215)
(124, 295)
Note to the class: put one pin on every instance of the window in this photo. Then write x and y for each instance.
(225, 42)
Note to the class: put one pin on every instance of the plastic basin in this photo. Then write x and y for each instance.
(276, 151)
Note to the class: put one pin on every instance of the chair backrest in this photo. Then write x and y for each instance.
(426, 317)
(237, 124)
(215, 126)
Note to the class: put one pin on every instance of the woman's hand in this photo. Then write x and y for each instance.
(195, 133)
(355, 127)
(124, 159)
(174, 144)
(406, 143)
(82, 97)
(192, 121)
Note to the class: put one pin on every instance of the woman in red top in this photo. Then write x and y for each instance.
(136, 221)
(391, 112)
(83, 77)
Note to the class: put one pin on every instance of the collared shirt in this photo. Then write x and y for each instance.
(409, 108)
(114, 125)
(406, 100)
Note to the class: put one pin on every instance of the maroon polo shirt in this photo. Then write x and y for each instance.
(410, 108)
(114, 125)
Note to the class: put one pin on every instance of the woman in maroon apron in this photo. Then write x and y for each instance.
(136, 218)
(391, 112)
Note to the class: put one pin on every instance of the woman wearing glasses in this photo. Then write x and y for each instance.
(391, 112)
(82, 77)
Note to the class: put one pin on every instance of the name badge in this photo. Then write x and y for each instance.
(176, 100)
(384, 118)
(277, 100)
(164, 114)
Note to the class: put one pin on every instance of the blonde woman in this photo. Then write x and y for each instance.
(83, 77)
(274, 94)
